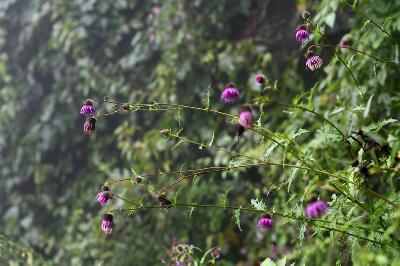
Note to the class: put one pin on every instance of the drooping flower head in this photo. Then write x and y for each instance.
(164, 202)
(230, 94)
(344, 42)
(260, 79)
(104, 195)
(107, 224)
(302, 34)
(313, 62)
(265, 222)
(216, 253)
(316, 209)
(89, 126)
(246, 118)
(87, 109)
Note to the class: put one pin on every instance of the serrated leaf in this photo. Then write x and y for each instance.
(258, 204)
(236, 216)
(223, 197)
(377, 126)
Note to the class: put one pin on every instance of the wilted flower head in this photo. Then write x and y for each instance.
(314, 62)
(107, 224)
(265, 222)
(164, 132)
(260, 79)
(164, 202)
(230, 94)
(104, 195)
(216, 253)
(302, 34)
(246, 118)
(87, 109)
(89, 126)
(124, 107)
(316, 209)
(344, 42)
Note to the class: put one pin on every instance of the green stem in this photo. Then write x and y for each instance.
(312, 221)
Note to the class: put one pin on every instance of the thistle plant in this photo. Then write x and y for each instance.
(353, 208)
(248, 132)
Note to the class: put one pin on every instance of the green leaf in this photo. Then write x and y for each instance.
(236, 216)
(223, 197)
(258, 204)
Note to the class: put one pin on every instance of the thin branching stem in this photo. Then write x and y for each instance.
(312, 221)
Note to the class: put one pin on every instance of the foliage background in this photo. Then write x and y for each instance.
(56, 53)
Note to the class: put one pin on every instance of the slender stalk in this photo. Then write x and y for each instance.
(294, 166)
(354, 50)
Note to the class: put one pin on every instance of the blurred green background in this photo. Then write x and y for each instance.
(55, 54)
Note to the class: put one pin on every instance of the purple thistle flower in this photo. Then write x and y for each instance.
(246, 118)
(89, 126)
(314, 62)
(87, 109)
(230, 94)
(260, 79)
(107, 224)
(104, 196)
(265, 222)
(344, 42)
(316, 209)
(302, 34)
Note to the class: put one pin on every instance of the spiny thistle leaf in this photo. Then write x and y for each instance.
(206, 99)
(258, 204)
(223, 197)
(236, 216)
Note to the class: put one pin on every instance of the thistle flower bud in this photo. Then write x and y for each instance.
(138, 179)
(316, 209)
(305, 14)
(124, 107)
(87, 109)
(230, 94)
(164, 202)
(165, 132)
(260, 79)
(246, 118)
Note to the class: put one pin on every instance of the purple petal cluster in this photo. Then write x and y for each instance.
(89, 126)
(316, 209)
(107, 224)
(87, 109)
(246, 118)
(104, 195)
(265, 222)
(302, 34)
(230, 95)
(313, 62)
